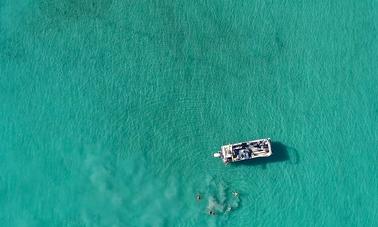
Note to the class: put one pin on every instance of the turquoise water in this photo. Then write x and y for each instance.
(110, 111)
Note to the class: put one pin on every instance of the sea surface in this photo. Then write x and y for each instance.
(110, 111)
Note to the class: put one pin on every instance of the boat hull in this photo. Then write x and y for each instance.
(243, 151)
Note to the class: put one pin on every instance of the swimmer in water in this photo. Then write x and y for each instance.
(236, 194)
(198, 197)
(211, 212)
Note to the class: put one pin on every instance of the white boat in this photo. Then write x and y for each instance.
(245, 151)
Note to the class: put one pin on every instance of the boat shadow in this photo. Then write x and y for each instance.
(279, 154)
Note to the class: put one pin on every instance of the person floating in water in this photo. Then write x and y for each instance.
(236, 194)
(198, 197)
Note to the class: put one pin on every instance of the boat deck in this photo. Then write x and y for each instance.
(246, 150)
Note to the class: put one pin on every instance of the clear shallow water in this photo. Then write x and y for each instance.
(110, 112)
